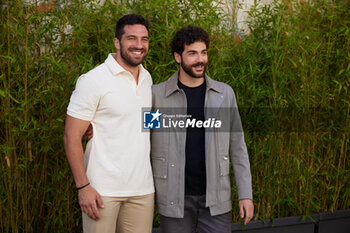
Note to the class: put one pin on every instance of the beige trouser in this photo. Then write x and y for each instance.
(122, 215)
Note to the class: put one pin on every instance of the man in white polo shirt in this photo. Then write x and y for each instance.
(114, 177)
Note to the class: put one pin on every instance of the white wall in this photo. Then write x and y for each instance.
(238, 11)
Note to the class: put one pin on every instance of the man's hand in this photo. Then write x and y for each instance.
(89, 199)
(246, 207)
(89, 133)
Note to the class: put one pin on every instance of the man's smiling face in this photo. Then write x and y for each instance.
(134, 44)
(194, 59)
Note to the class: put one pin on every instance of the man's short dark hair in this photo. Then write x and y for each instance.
(188, 35)
(130, 19)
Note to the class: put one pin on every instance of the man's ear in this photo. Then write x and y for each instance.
(116, 43)
(177, 57)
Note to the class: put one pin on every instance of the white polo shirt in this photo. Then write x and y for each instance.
(117, 158)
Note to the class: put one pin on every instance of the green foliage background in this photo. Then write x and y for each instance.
(291, 75)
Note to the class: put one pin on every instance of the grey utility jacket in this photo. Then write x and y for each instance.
(168, 150)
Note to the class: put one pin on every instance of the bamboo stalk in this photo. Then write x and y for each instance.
(26, 159)
(8, 140)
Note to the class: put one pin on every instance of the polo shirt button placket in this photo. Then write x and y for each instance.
(133, 83)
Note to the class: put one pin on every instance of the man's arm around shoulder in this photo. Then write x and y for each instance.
(88, 196)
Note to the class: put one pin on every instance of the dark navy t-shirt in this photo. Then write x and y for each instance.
(195, 172)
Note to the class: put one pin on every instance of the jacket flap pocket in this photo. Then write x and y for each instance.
(160, 167)
(224, 165)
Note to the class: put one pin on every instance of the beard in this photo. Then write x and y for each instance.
(188, 69)
(129, 60)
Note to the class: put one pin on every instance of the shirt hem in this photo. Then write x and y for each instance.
(129, 194)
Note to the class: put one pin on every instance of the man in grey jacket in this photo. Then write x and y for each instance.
(191, 163)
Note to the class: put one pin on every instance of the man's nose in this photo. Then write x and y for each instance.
(138, 44)
(200, 58)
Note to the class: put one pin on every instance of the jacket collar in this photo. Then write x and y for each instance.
(171, 84)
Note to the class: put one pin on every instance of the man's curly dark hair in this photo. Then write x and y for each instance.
(187, 36)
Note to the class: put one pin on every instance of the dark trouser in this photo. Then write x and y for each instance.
(197, 219)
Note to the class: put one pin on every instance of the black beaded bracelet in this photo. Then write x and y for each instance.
(83, 186)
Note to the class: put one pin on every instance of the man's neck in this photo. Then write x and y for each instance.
(188, 80)
(134, 70)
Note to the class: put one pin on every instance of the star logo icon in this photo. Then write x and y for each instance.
(156, 115)
(151, 119)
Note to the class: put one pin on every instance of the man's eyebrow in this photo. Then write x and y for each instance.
(128, 36)
(195, 51)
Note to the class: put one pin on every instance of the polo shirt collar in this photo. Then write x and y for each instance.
(115, 68)
(171, 84)
(113, 65)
